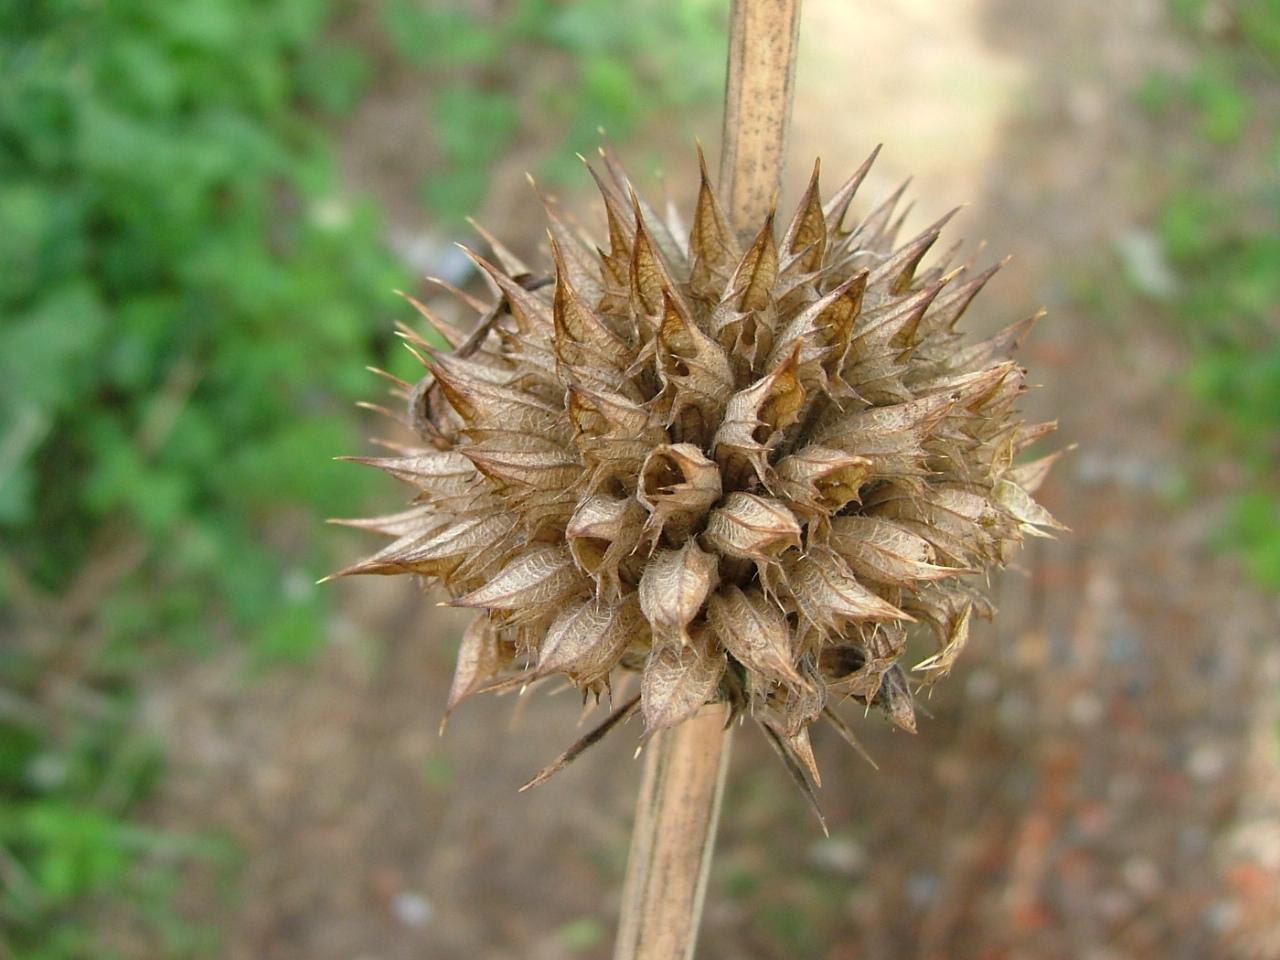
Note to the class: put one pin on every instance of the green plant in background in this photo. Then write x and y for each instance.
(574, 67)
(181, 293)
(1218, 227)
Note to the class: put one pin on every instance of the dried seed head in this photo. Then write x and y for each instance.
(741, 472)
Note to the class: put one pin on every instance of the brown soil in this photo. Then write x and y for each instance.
(1098, 777)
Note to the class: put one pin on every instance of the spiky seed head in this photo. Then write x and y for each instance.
(741, 468)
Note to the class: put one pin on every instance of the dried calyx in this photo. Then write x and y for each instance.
(739, 468)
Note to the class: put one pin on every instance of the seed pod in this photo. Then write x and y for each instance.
(674, 586)
(752, 628)
(749, 527)
(678, 679)
(740, 469)
(678, 485)
(603, 533)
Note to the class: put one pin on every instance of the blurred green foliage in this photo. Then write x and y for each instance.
(570, 67)
(1219, 230)
(582, 935)
(184, 295)
(186, 308)
(187, 301)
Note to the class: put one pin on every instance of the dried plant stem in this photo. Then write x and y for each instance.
(673, 837)
(679, 802)
(757, 110)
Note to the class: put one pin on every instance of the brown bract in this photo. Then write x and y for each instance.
(741, 472)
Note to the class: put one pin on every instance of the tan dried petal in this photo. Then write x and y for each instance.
(885, 552)
(996, 348)
(532, 314)
(712, 244)
(482, 658)
(674, 586)
(678, 680)
(415, 521)
(754, 420)
(837, 207)
(744, 320)
(613, 434)
(803, 705)
(960, 521)
(1028, 433)
(942, 605)
(441, 473)
(590, 352)
(949, 307)
(954, 551)
(751, 528)
(895, 698)
(819, 481)
(670, 247)
(391, 558)
(939, 665)
(651, 282)
(677, 486)
(800, 747)
(451, 334)
(489, 406)
(511, 264)
(755, 632)
(852, 673)
(526, 460)
(1033, 519)
(447, 546)
(587, 639)
(603, 532)
(982, 392)
(829, 596)
(795, 767)
(880, 431)
(883, 345)
(488, 367)
(753, 280)
(696, 372)
(806, 236)
(622, 232)
(529, 585)
(481, 564)
(580, 263)
(898, 270)
(823, 332)
(876, 231)
(1030, 476)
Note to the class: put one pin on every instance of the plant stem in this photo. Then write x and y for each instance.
(684, 774)
(673, 837)
(757, 109)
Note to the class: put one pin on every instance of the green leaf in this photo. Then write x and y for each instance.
(333, 76)
(582, 934)
(291, 634)
(442, 34)
(1255, 530)
(46, 353)
(1225, 107)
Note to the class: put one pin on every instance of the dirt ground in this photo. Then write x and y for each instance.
(1098, 778)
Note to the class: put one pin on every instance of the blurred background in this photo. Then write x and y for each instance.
(204, 209)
